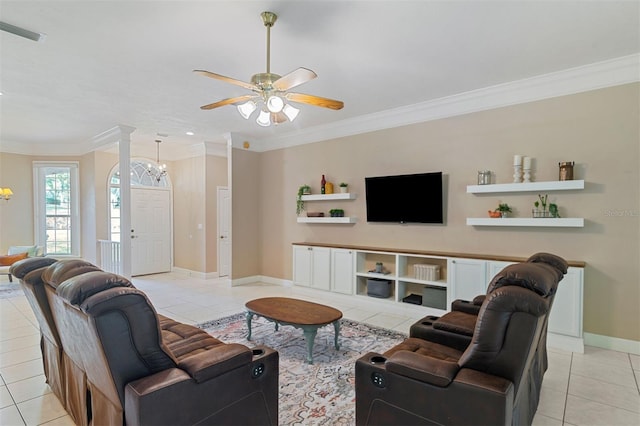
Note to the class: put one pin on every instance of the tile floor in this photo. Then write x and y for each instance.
(599, 387)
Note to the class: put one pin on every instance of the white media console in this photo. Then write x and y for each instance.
(346, 269)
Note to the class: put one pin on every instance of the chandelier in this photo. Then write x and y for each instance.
(157, 171)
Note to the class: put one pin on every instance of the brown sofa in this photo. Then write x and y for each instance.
(491, 380)
(122, 363)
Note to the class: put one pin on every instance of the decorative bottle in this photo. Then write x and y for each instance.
(323, 182)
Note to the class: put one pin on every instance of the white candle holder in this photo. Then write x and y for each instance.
(527, 175)
(517, 174)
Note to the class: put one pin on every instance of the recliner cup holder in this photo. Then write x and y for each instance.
(378, 360)
(257, 352)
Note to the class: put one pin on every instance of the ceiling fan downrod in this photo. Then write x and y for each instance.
(269, 18)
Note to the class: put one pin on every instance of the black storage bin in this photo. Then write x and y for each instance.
(377, 287)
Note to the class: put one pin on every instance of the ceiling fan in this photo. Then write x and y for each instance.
(270, 90)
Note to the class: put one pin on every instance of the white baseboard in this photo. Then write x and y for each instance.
(565, 343)
(612, 343)
(262, 279)
(195, 274)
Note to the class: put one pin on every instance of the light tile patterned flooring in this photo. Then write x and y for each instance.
(599, 387)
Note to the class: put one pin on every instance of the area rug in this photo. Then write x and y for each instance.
(321, 393)
(8, 290)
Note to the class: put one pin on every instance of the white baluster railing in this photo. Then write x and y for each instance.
(110, 256)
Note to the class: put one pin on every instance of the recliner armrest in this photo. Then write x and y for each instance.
(423, 368)
(466, 306)
(215, 361)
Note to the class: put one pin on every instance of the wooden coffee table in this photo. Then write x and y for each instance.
(308, 316)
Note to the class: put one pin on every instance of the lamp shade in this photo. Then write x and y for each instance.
(263, 119)
(275, 103)
(290, 112)
(246, 109)
(6, 193)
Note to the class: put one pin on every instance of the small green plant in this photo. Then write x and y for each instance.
(343, 184)
(336, 213)
(543, 201)
(304, 189)
(504, 208)
(553, 209)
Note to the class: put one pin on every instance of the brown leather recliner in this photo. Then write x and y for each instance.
(29, 274)
(142, 368)
(424, 382)
(541, 272)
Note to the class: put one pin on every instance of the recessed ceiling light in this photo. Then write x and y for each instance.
(190, 133)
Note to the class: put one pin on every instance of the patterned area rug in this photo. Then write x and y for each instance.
(321, 393)
(8, 290)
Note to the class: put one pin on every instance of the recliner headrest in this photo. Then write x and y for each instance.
(64, 269)
(550, 259)
(77, 289)
(24, 266)
(540, 278)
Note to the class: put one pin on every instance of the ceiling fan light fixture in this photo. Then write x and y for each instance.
(290, 112)
(275, 103)
(246, 109)
(264, 118)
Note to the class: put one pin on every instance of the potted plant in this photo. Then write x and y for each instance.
(344, 187)
(553, 210)
(536, 212)
(504, 209)
(542, 202)
(336, 213)
(303, 190)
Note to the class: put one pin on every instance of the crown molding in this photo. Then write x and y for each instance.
(613, 72)
(585, 78)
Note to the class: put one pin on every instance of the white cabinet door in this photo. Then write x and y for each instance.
(468, 278)
(302, 265)
(321, 268)
(566, 312)
(342, 274)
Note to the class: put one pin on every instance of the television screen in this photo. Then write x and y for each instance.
(413, 198)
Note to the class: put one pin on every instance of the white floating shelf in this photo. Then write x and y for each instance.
(559, 185)
(571, 222)
(326, 220)
(328, 197)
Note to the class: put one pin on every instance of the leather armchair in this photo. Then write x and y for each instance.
(424, 382)
(541, 273)
(142, 368)
(29, 274)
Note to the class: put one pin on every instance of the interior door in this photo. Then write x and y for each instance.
(224, 232)
(150, 231)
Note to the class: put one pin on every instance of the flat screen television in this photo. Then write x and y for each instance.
(414, 198)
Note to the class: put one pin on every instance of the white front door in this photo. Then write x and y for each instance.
(224, 232)
(150, 231)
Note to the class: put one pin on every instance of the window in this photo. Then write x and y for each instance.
(57, 224)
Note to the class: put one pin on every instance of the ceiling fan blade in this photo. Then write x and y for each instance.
(228, 101)
(278, 117)
(227, 79)
(293, 79)
(314, 100)
(21, 32)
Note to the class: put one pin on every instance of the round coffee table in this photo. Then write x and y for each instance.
(308, 316)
